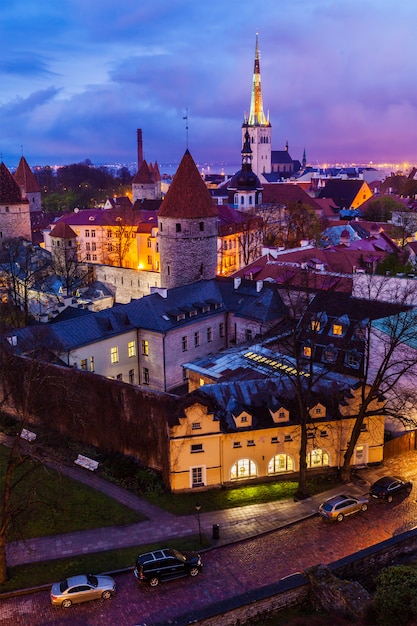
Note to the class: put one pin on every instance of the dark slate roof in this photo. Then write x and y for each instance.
(160, 314)
(285, 193)
(343, 192)
(188, 196)
(26, 178)
(9, 189)
(258, 396)
(280, 156)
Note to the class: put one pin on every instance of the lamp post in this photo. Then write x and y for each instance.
(197, 508)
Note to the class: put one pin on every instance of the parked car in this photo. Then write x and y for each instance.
(387, 487)
(82, 588)
(166, 564)
(338, 507)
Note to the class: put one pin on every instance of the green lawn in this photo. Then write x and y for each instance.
(54, 504)
(219, 499)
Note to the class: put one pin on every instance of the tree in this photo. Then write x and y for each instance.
(300, 223)
(380, 209)
(250, 237)
(24, 265)
(390, 361)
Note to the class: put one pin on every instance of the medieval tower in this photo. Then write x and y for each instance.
(257, 125)
(14, 210)
(187, 221)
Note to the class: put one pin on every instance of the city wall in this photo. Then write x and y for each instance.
(111, 415)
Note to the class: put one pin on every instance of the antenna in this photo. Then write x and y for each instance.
(186, 127)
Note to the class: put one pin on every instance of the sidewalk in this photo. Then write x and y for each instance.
(234, 524)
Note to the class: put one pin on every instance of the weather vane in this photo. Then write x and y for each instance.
(186, 126)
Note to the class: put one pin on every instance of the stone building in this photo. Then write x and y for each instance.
(29, 186)
(14, 209)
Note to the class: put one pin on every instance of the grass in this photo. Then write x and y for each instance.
(47, 572)
(56, 504)
(219, 499)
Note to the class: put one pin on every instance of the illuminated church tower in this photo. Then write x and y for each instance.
(257, 125)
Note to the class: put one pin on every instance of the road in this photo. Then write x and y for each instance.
(229, 570)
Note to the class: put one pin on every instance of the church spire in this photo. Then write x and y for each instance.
(256, 114)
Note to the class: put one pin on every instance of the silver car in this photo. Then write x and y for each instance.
(82, 588)
(337, 507)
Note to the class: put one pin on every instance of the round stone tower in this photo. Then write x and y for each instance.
(187, 222)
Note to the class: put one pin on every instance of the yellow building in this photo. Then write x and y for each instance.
(242, 431)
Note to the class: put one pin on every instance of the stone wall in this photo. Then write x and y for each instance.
(111, 415)
(129, 284)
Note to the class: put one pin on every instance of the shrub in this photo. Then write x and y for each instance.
(395, 599)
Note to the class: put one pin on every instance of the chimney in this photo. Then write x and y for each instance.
(140, 147)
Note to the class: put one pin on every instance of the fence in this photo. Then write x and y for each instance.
(400, 445)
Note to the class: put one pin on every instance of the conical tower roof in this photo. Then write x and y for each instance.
(9, 189)
(188, 196)
(25, 178)
(143, 175)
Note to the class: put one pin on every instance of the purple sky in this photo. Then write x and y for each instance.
(78, 77)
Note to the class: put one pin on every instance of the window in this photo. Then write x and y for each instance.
(317, 458)
(324, 433)
(307, 352)
(149, 242)
(91, 364)
(114, 355)
(209, 334)
(83, 364)
(119, 377)
(177, 228)
(87, 246)
(337, 329)
(244, 468)
(248, 334)
(196, 339)
(196, 447)
(280, 463)
(145, 347)
(310, 435)
(243, 419)
(196, 426)
(287, 438)
(88, 257)
(237, 444)
(132, 377)
(274, 440)
(109, 247)
(330, 354)
(93, 233)
(197, 477)
(315, 326)
(87, 232)
(149, 259)
(94, 246)
(109, 233)
(94, 257)
(131, 349)
(221, 329)
(201, 226)
(184, 344)
(250, 442)
(145, 376)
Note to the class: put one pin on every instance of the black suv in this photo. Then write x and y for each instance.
(165, 564)
(388, 487)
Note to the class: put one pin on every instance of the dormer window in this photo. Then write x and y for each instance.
(337, 329)
(307, 351)
(340, 326)
(330, 354)
(315, 326)
(353, 359)
(360, 330)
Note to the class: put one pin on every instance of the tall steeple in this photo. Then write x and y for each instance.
(257, 124)
(256, 114)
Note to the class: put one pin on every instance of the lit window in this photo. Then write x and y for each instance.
(317, 458)
(114, 355)
(315, 326)
(91, 364)
(131, 348)
(337, 329)
(145, 347)
(83, 364)
(280, 463)
(244, 468)
(307, 352)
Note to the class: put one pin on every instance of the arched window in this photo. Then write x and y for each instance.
(280, 463)
(244, 468)
(236, 200)
(250, 199)
(317, 458)
(242, 199)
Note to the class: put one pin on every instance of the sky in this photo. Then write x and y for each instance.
(79, 77)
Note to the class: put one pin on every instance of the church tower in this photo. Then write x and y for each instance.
(257, 124)
(187, 223)
(244, 188)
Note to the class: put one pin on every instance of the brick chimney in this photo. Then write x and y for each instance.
(140, 147)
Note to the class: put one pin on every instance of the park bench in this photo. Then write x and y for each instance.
(86, 462)
(28, 435)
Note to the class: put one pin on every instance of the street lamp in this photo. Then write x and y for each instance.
(197, 508)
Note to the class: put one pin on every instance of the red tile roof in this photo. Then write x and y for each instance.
(26, 178)
(188, 196)
(284, 193)
(9, 189)
(143, 175)
(64, 231)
